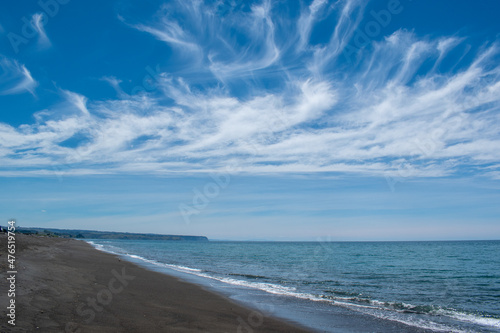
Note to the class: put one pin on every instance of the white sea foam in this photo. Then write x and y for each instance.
(470, 318)
(107, 248)
(416, 322)
(183, 268)
(99, 247)
(160, 264)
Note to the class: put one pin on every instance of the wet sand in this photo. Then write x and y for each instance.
(65, 285)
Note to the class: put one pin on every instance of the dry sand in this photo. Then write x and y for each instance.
(65, 285)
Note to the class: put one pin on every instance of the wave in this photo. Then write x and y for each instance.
(372, 308)
(119, 251)
(249, 276)
(107, 248)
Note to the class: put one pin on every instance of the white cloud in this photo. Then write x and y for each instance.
(210, 41)
(261, 52)
(38, 24)
(79, 101)
(348, 21)
(306, 21)
(115, 84)
(15, 78)
(169, 32)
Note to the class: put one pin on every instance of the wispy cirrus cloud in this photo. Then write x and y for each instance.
(38, 20)
(169, 32)
(79, 101)
(306, 21)
(259, 53)
(397, 109)
(15, 78)
(348, 19)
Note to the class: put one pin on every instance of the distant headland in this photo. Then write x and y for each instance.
(93, 234)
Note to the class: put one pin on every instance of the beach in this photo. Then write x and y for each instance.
(65, 285)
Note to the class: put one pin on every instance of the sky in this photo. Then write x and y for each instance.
(264, 120)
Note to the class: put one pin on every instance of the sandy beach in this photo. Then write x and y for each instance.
(65, 285)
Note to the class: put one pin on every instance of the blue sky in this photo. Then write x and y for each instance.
(288, 120)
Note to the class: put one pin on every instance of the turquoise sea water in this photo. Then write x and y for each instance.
(442, 286)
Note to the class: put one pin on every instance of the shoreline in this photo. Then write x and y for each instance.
(314, 316)
(65, 285)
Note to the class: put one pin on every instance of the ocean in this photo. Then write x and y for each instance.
(442, 286)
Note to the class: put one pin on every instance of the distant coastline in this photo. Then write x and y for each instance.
(93, 234)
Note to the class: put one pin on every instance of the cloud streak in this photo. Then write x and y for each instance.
(38, 25)
(393, 113)
(15, 78)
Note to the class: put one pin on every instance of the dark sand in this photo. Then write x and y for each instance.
(57, 277)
